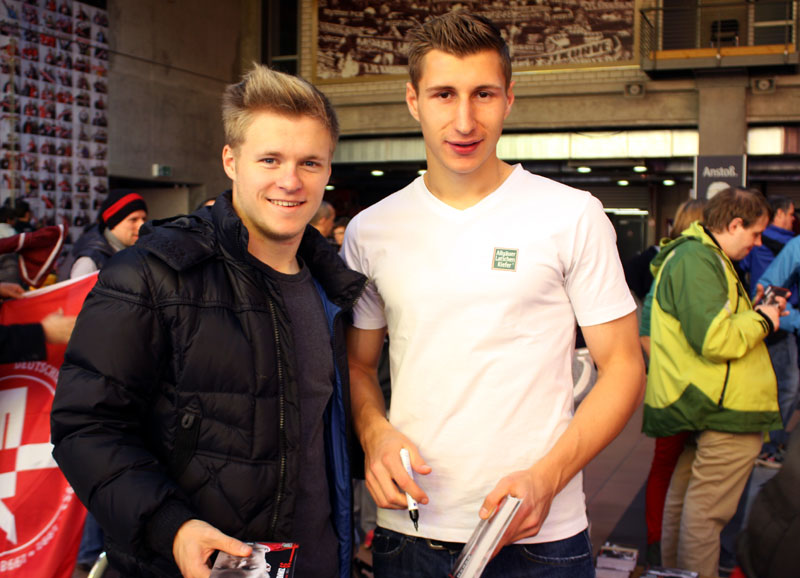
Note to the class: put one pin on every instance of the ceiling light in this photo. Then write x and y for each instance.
(376, 173)
(329, 187)
(584, 169)
(668, 182)
(640, 169)
(422, 172)
(623, 183)
(626, 211)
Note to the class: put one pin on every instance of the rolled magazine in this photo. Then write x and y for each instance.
(478, 551)
(268, 560)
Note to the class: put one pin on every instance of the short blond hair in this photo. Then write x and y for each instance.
(458, 33)
(264, 89)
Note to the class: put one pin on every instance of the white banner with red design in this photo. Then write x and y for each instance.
(41, 519)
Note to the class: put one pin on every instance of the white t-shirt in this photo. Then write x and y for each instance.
(480, 306)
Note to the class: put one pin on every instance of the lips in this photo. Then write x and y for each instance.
(464, 148)
(290, 204)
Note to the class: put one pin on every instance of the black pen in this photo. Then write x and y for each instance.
(413, 508)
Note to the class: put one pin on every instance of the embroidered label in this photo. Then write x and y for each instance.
(505, 260)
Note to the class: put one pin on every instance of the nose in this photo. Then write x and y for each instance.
(465, 117)
(289, 181)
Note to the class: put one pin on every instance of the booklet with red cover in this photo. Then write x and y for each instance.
(267, 560)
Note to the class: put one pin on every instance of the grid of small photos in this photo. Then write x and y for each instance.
(54, 128)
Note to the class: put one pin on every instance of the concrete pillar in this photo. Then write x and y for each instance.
(722, 113)
(250, 40)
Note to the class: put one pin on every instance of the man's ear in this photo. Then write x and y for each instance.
(412, 101)
(509, 98)
(229, 162)
(735, 224)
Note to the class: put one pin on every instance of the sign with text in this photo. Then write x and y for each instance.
(713, 174)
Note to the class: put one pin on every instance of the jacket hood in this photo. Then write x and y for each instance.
(187, 240)
(694, 232)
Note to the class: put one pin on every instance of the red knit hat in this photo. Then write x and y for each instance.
(117, 206)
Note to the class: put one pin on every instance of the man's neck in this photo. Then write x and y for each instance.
(280, 256)
(112, 239)
(781, 227)
(462, 191)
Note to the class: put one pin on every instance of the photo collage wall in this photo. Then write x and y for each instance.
(54, 127)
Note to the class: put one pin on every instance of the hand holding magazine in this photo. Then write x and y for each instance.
(484, 540)
(268, 560)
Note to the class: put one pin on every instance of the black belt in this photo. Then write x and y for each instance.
(440, 545)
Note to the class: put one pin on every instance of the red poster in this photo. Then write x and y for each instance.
(41, 519)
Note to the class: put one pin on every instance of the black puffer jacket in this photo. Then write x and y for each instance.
(91, 244)
(177, 398)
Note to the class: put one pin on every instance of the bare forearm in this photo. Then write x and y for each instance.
(369, 409)
(598, 420)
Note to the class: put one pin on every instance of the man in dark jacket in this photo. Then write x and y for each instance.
(118, 222)
(204, 396)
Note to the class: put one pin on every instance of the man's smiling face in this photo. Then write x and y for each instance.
(279, 175)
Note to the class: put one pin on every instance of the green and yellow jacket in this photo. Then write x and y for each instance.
(709, 367)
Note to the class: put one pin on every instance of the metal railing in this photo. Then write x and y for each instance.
(718, 26)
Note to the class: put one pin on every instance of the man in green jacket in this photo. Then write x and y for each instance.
(710, 374)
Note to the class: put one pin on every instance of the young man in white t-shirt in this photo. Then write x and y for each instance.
(478, 271)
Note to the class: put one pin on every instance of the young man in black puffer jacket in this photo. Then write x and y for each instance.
(204, 397)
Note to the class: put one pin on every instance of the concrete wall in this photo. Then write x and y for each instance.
(170, 62)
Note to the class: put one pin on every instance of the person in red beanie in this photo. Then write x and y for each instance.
(118, 222)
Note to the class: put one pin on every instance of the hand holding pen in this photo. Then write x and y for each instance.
(386, 478)
(413, 508)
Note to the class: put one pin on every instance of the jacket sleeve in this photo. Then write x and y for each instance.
(694, 289)
(100, 412)
(784, 271)
(23, 342)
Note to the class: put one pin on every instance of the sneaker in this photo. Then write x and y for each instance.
(772, 460)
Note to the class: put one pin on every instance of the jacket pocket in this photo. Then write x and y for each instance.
(185, 440)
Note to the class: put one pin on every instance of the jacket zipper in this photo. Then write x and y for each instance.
(728, 363)
(725, 383)
(281, 420)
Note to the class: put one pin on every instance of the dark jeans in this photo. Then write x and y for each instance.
(784, 361)
(397, 555)
(91, 541)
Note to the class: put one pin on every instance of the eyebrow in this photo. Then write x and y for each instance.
(272, 153)
(439, 88)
